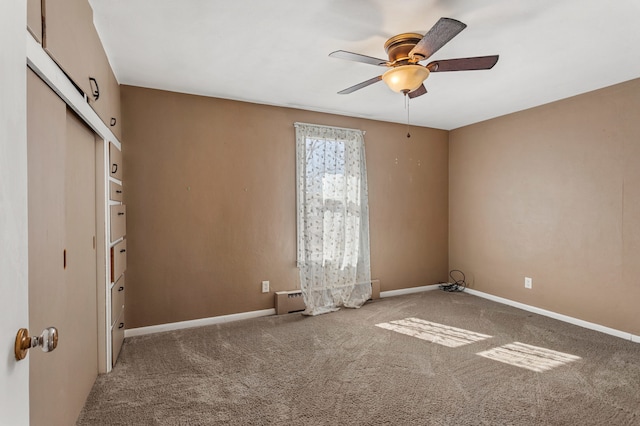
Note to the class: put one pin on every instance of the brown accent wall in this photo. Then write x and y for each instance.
(553, 193)
(210, 191)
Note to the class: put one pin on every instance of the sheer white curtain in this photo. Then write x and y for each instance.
(333, 218)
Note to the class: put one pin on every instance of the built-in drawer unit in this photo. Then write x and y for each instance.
(115, 162)
(115, 191)
(118, 221)
(117, 338)
(117, 299)
(117, 230)
(118, 260)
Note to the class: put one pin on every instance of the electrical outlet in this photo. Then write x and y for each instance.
(528, 282)
(265, 286)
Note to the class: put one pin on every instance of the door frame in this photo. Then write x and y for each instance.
(14, 254)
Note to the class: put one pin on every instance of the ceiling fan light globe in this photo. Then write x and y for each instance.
(405, 78)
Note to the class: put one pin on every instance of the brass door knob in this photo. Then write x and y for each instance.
(48, 341)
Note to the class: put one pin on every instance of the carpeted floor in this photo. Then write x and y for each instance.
(341, 369)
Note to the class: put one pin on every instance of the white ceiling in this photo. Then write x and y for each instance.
(276, 52)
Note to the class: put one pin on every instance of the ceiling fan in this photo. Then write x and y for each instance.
(407, 50)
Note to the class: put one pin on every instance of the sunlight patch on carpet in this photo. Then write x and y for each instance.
(451, 337)
(530, 357)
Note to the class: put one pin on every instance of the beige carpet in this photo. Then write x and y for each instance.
(342, 369)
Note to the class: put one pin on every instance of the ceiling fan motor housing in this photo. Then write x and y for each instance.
(399, 46)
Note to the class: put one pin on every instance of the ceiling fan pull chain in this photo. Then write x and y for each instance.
(406, 106)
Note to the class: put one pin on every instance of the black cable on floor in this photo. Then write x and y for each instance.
(456, 284)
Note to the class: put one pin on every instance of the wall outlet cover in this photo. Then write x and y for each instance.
(265, 286)
(528, 282)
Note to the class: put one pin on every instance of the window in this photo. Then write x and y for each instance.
(333, 217)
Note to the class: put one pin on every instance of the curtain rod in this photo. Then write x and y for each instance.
(296, 124)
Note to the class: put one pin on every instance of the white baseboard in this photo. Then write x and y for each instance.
(554, 315)
(409, 290)
(266, 312)
(140, 331)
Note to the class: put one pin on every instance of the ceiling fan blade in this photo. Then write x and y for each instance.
(418, 92)
(464, 64)
(360, 85)
(439, 35)
(350, 56)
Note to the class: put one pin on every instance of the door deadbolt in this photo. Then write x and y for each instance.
(48, 341)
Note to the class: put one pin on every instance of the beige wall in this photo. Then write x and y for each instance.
(210, 193)
(553, 193)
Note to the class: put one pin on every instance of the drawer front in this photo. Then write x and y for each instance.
(115, 160)
(107, 106)
(114, 119)
(117, 299)
(118, 222)
(118, 260)
(115, 191)
(117, 338)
